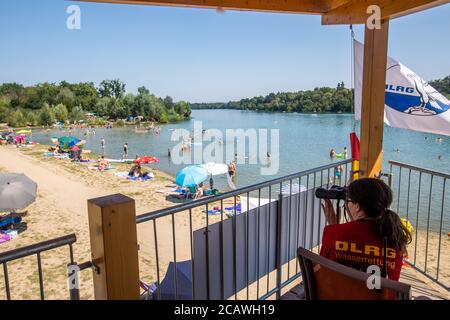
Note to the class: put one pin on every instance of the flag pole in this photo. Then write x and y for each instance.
(354, 141)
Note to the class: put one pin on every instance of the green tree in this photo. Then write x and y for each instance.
(143, 91)
(47, 92)
(129, 104)
(46, 116)
(168, 103)
(111, 88)
(101, 108)
(4, 110)
(60, 112)
(86, 95)
(182, 108)
(77, 114)
(31, 118)
(16, 119)
(66, 97)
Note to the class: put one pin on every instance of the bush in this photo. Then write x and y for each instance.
(97, 122)
(46, 116)
(77, 114)
(60, 112)
(120, 123)
(16, 119)
(31, 118)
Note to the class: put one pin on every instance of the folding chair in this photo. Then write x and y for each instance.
(324, 279)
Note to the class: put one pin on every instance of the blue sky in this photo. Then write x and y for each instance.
(200, 55)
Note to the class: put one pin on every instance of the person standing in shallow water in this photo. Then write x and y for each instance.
(103, 143)
(125, 151)
(332, 153)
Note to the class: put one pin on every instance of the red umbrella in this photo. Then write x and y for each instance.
(146, 160)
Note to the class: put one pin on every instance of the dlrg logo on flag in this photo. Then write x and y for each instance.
(410, 102)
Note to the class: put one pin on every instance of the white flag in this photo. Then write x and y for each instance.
(410, 102)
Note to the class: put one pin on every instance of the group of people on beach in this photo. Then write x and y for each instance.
(333, 154)
(89, 131)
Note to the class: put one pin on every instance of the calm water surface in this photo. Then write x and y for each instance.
(305, 142)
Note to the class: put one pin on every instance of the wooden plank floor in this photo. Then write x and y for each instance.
(422, 286)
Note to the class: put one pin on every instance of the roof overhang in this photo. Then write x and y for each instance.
(332, 11)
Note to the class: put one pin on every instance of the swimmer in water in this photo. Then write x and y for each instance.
(332, 153)
(439, 157)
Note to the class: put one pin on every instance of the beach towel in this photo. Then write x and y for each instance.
(143, 178)
(6, 222)
(233, 209)
(214, 211)
(121, 174)
(52, 154)
(4, 237)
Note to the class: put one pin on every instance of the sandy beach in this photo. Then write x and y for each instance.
(61, 208)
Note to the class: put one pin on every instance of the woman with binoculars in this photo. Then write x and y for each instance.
(374, 235)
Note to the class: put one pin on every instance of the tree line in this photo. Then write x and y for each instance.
(319, 100)
(442, 86)
(46, 103)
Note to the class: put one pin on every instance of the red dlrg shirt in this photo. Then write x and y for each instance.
(358, 245)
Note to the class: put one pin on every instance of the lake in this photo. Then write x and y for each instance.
(304, 143)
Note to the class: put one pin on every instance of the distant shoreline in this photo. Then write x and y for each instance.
(268, 111)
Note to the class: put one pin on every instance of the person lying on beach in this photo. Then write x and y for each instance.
(57, 151)
(103, 162)
(136, 170)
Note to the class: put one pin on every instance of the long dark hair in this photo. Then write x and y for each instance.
(374, 197)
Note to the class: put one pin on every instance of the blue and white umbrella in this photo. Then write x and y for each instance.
(191, 176)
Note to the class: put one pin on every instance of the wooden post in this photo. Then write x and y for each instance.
(373, 91)
(114, 247)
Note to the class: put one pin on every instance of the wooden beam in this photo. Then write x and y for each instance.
(354, 11)
(285, 6)
(373, 91)
(114, 247)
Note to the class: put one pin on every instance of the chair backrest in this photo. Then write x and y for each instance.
(324, 279)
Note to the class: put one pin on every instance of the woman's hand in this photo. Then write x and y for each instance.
(328, 210)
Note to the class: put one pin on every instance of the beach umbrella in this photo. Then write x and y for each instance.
(215, 168)
(191, 176)
(17, 191)
(179, 290)
(68, 142)
(146, 160)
